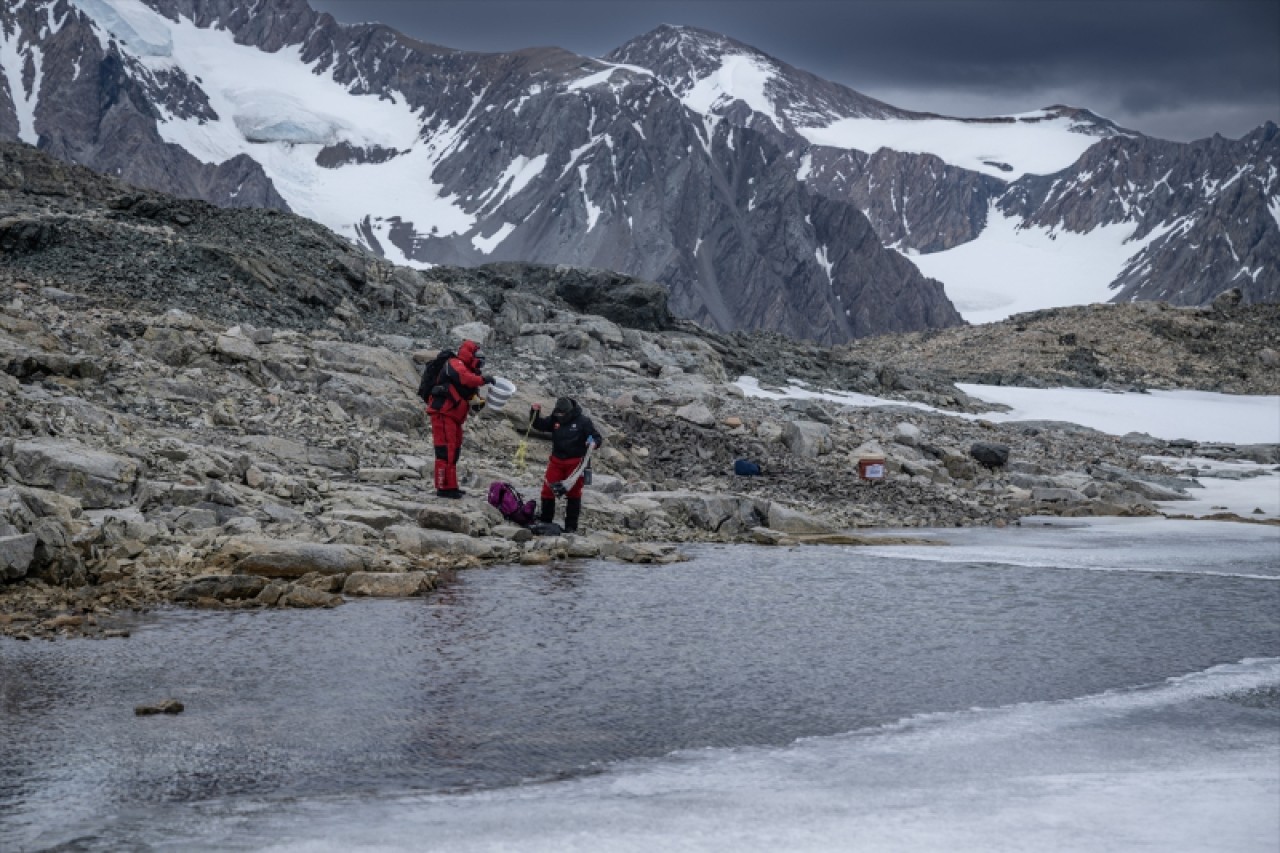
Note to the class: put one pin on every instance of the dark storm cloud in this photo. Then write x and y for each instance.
(1181, 69)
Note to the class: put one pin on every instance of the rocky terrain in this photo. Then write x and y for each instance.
(1226, 347)
(217, 408)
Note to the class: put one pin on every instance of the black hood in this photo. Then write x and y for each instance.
(566, 407)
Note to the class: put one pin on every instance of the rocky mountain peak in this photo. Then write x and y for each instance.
(712, 73)
(680, 55)
(1085, 121)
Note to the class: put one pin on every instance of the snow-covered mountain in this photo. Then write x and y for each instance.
(761, 195)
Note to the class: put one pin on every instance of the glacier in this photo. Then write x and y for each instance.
(141, 30)
(265, 116)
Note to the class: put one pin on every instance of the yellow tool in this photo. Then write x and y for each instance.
(523, 448)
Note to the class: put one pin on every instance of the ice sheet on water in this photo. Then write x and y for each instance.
(139, 28)
(1170, 767)
(1145, 545)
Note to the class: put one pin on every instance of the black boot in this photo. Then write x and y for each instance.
(548, 510)
(572, 508)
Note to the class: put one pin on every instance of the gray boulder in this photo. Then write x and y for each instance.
(696, 414)
(96, 478)
(907, 434)
(236, 347)
(286, 559)
(421, 541)
(16, 554)
(287, 450)
(807, 438)
(1058, 495)
(787, 520)
(221, 588)
(453, 520)
(1227, 299)
(719, 513)
(389, 584)
(377, 519)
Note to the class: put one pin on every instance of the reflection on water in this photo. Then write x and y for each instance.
(521, 673)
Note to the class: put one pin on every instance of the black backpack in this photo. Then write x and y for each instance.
(431, 386)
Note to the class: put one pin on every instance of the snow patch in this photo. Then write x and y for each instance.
(806, 167)
(821, 254)
(1038, 148)
(1197, 415)
(1009, 269)
(577, 153)
(381, 229)
(535, 89)
(601, 77)
(488, 244)
(604, 76)
(12, 63)
(593, 212)
(739, 78)
(519, 172)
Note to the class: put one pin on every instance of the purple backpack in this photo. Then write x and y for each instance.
(514, 508)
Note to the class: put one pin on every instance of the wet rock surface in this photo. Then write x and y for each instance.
(180, 427)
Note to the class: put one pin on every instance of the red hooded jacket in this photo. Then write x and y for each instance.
(460, 375)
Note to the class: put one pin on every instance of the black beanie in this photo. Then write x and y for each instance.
(563, 407)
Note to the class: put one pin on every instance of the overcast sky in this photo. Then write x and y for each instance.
(1176, 69)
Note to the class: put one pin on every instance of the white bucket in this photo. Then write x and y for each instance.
(499, 393)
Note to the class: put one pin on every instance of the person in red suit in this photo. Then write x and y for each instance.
(572, 433)
(450, 403)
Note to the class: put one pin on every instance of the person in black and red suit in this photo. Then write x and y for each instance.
(448, 407)
(571, 434)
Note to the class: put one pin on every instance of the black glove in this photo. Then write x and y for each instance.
(488, 380)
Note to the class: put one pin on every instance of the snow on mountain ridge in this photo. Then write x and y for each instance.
(710, 73)
(739, 78)
(713, 71)
(1005, 150)
(281, 111)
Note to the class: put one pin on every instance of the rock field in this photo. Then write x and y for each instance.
(216, 408)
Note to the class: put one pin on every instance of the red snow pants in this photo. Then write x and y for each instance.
(446, 435)
(558, 469)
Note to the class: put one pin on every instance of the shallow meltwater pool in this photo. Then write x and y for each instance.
(643, 707)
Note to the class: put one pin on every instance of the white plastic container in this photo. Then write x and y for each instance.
(499, 393)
